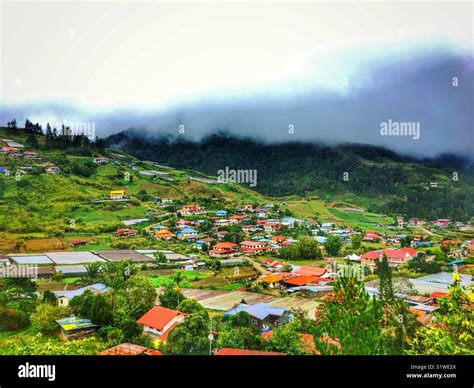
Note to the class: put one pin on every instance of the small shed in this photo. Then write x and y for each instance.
(75, 328)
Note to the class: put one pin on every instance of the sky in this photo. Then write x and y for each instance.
(330, 71)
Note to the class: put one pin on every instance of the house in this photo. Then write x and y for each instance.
(223, 248)
(188, 210)
(127, 349)
(438, 282)
(159, 321)
(372, 235)
(64, 297)
(221, 233)
(117, 194)
(164, 234)
(272, 226)
(100, 160)
(71, 271)
(249, 228)
(308, 270)
(253, 246)
(52, 170)
(302, 280)
(182, 224)
(75, 328)
(221, 213)
(272, 280)
(289, 222)
(277, 239)
(394, 256)
(327, 226)
(187, 233)
(237, 219)
(399, 256)
(245, 352)
(125, 232)
(353, 257)
(222, 222)
(262, 315)
(273, 265)
(370, 258)
(442, 222)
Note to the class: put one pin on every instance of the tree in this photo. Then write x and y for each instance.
(139, 296)
(189, 306)
(171, 297)
(333, 245)
(49, 297)
(101, 311)
(356, 241)
(420, 264)
(305, 249)
(32, 141)
(92, 274)
(351, 316)
(45, 316)
(190, 337)
(398, 322)
(452, 332)
(160, 258)
(286, 339)
(405, 242)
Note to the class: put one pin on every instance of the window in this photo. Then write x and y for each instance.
(253, 322)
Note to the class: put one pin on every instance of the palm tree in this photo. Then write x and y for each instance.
(92, 274)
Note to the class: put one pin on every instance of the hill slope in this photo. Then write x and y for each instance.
(377, 179)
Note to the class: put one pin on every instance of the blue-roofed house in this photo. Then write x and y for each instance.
(64, 297)
(262, 315)
(320, 239)
(289, 222)
(221, 213)
(187, 233)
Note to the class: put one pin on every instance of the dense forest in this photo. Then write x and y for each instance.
(382, 180)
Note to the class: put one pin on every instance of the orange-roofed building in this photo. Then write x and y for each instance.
(246, 352)
(159, 321)
(272, 280)
(309, 270)
(223, 248)
(164, 234)
(301, 280)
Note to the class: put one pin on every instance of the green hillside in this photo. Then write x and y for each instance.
(374, 178)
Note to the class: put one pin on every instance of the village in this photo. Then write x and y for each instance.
(263, 259)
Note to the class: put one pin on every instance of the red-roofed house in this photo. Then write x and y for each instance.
(394, 256)
(223, 248)
(370, 257)
(158, 321)
(253, 246)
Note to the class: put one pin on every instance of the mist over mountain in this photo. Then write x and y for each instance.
(432, 89)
